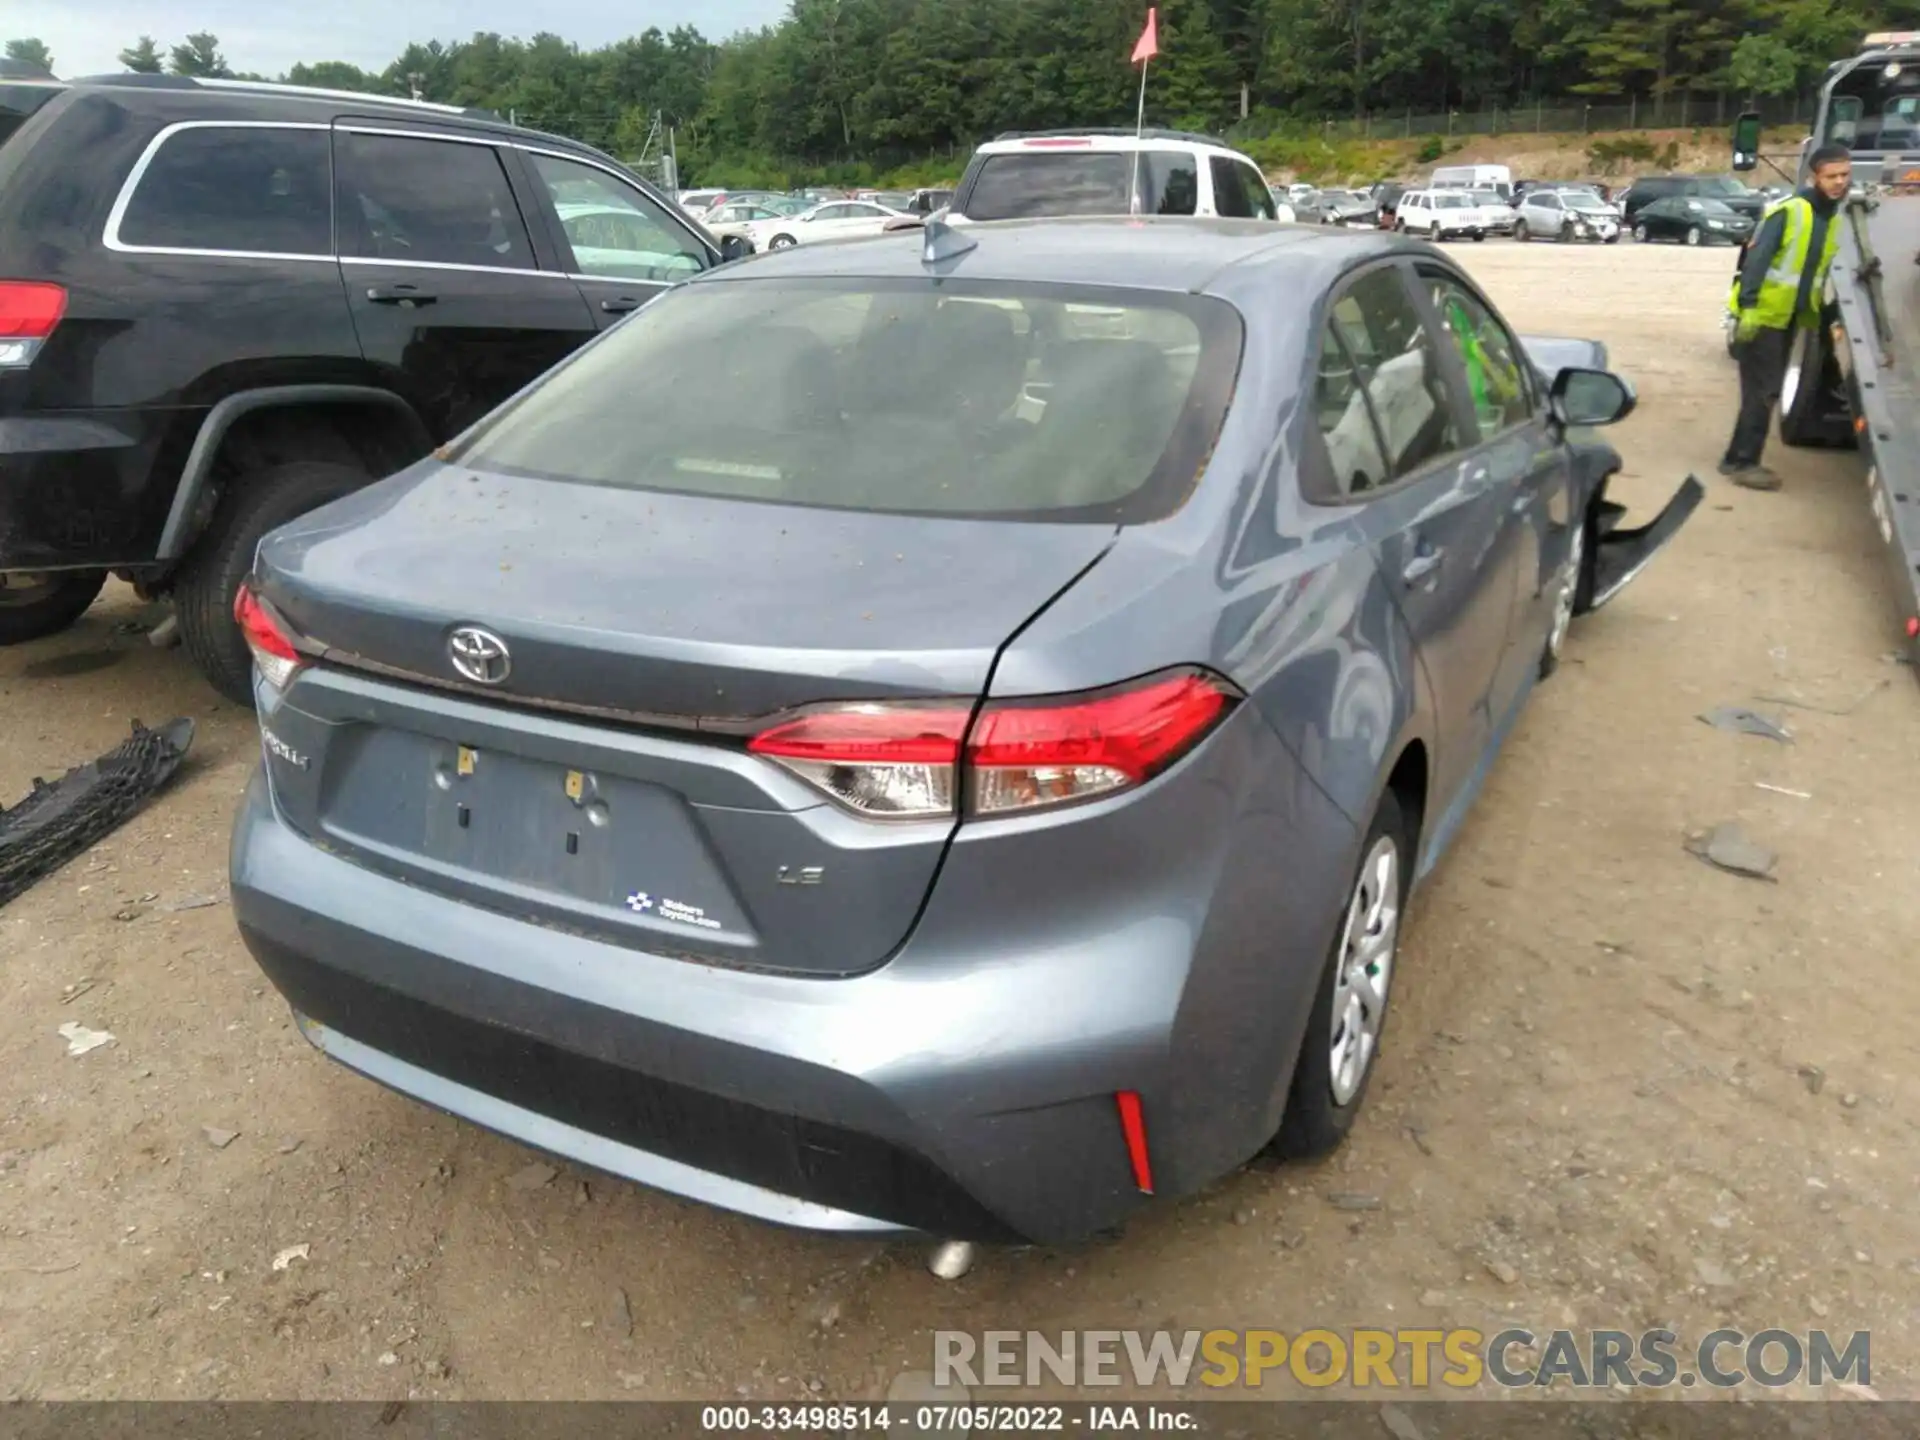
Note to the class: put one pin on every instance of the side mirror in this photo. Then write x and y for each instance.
(735, 247)
(1746, 141)
(1590, 397)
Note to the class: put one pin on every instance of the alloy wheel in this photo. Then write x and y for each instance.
(1640, 233)
(1365, 971)
(1693, 235)
(1569, 591)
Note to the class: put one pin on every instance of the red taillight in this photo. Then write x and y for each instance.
(273, 648)
(29, 311)
(894, 761)
(910, 762)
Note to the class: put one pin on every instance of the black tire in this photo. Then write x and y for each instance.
(1521, 232)
(1315, 1122)
(1640, 234)
(49, 606)
(1695, 235)
(255, 503)
(1478, 236)
(782, 242)
(1809, 416)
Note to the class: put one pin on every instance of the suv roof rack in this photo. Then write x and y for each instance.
(1116, 132)
(292, 92)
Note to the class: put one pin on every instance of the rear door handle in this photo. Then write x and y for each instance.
(621, 304)
(1422, 565)
(399, 295)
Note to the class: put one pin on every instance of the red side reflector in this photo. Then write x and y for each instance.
(29, 310)
(1913, 628)
(1134, 1126)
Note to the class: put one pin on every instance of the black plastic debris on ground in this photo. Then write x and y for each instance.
(65, 818)
(1728, 847)
(1743, 721)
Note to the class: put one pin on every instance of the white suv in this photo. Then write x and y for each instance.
(1440, 215)
(1112, 172)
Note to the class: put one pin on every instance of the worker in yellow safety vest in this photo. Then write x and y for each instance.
(1778, 292)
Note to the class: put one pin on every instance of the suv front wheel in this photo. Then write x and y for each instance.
(257, 502)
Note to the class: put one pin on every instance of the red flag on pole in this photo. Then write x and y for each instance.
(1149, 45)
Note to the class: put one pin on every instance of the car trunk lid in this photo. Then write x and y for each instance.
(602, 784)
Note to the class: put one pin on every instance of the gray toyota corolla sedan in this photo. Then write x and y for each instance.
(934, 733)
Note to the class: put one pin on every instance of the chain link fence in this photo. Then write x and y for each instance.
(1563, 115)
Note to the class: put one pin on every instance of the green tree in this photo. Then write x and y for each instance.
(199, 56)
(334, 75)
(1763, 65)
(142, 57)
(30, 52)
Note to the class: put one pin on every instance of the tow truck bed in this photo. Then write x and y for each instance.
(1878, 287)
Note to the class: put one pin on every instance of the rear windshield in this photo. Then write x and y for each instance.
(18, 100)
(1083, 182)
(912, 397)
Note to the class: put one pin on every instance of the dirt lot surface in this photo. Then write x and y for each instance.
(1621, 1088)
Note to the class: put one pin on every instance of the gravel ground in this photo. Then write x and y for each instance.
(1621, 1089)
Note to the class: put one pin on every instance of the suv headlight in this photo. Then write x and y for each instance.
(1716, 225)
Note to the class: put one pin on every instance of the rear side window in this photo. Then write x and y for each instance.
(18, 101)
(434, 201)
(1083, 182)
(1014, 402)
(253, 189)
(1387, 345)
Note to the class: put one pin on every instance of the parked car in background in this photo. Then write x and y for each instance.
(1566, 215)
(1112, 172)
(697, 202)
(1307, 205)
(1728, 191)
(1440, 215)
(225, 303)
(1692, 221)
(835, 220)
(1497, 178)
(1386, 200)
(737, 217)
(1496, 215)
(1354, 209)
(840, 893)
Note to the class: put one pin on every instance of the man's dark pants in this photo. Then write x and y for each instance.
(1763, 368)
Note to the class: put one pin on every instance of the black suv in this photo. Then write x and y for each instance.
(223, 304)
(1728, 191)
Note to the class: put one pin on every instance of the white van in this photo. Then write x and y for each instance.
(1474, 177)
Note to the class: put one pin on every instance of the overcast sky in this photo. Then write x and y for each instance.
(269, 36)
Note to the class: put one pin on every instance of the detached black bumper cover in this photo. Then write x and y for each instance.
(64, 819)
(1620, 555)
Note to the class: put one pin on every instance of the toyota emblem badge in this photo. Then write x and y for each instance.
(480, 655)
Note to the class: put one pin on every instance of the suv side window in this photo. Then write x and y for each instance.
(1394, 359)
(1495, 365)
(1229, 195)
(440, 202)
(253, 189)
(1173, 180)
(615, 231)
(1258, 195)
